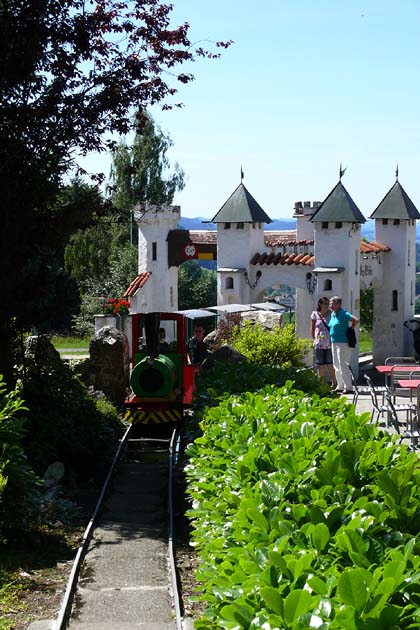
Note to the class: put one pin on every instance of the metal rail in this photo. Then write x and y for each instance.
(173, 458)
(173, 452)
(65, 609)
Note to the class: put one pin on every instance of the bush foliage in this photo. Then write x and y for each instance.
(66, 424)
(18, 483)
(279, 346)
(305, 515)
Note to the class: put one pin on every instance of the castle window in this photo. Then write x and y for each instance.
(229, 282)
(239, 226)
(324, 225)
(396, 221)
(154, 250)
(409, 253)
(395, 300)
(171, 296)
(356, 263)
(327, 285)
(338, 224)
(227, 226)
(384, 221)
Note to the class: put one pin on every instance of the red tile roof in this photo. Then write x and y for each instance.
(272, 239)
(199, 237)
(282, 259)
(307, 258)
(280, 238)
(138, 282)
(286, 237)
(368, 247)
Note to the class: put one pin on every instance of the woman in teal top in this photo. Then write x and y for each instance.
(339, 322)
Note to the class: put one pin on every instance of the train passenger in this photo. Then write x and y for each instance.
(197, 348)
(163, 344)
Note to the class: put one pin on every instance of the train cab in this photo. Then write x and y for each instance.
(162, 375)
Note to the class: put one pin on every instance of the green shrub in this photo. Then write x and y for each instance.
(227, 378)
(18, 483)
(279, 346)
(305, 515)
(67, 425)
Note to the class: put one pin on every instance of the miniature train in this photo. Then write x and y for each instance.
(162, 380)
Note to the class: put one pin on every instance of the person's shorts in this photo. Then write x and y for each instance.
(323, 356)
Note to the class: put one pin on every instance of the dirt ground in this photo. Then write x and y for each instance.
(46, 559)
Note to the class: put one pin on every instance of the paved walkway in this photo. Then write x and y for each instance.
(364, 402)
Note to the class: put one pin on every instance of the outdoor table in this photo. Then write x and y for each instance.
(409, 383)
(387, 369)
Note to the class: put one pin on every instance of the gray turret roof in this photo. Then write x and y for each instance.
(241, 207)
(338, 206)
(396, 205)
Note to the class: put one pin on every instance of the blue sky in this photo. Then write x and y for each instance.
(305, 86)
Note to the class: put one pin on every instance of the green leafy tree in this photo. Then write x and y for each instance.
(140, 173)
(197, 287)
(119, 270)
(71, 75)
(366, 309)
(102, 259)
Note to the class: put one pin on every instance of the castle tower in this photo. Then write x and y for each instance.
(337, 250)
(303, 212)
(240, 233)
(394, 300)
(160, 291)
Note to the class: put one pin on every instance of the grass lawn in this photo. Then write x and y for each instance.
(76, 343)
(365, 341)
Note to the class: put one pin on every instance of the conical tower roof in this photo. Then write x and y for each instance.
(396, 205)
(241, 207)
(338, 206)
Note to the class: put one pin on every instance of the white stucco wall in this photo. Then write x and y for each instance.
(303, 212)
(334, 247)
(160, 292)
(390, 337)
(235, 247)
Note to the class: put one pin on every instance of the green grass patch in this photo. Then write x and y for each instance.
(79, 343)
(365, 341)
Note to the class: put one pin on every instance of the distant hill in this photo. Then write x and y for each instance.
(196, 223)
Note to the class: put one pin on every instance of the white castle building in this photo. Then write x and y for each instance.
(325, 255)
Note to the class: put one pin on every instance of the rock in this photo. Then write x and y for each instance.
(224, 353)
(267, 319)
(40, 350)
(54, 474)
(108, 368)
(211, 340)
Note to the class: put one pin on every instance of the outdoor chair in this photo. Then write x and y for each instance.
(357, 389)
(399, 360)
(382, 409)
(410, 433)
(380, 390)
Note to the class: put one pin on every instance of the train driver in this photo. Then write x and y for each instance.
(197, 348)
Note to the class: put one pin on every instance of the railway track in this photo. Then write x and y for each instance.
(124, 574)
